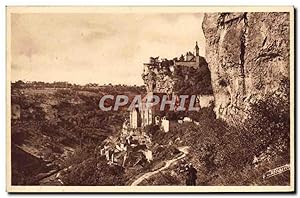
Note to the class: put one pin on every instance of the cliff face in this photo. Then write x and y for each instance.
(178, 80)
(158, 81)
(248, 57)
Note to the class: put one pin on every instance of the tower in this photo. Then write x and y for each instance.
(197, 49)
(197, 55)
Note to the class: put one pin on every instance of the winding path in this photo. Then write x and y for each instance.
(184, 151)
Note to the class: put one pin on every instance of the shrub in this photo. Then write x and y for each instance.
(95, 172)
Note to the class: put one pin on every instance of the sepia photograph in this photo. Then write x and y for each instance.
(150, 99)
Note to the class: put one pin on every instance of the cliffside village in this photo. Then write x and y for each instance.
(158, 78)
(157, 75)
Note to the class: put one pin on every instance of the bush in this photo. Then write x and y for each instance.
(95, 172)
(152, 129)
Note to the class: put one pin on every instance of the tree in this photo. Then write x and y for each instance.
(181, 58)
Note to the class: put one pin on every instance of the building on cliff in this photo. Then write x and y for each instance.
(188, 75)
(190, 60)
(193, 60)
(158, 75)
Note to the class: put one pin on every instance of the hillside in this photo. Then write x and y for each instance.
(227, 155)
(51, 124)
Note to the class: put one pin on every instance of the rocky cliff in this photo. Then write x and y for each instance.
(249, 56)
(178, 80)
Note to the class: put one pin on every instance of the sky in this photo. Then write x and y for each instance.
(98, 48)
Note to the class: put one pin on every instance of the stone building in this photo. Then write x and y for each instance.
(135, 118)
(191, 59)
(146, 114)
(140, 117)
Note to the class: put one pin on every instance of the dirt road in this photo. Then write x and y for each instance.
(184, 151)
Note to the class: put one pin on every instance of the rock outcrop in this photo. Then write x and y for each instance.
(178, 80)
(248, 56)
(158, 80)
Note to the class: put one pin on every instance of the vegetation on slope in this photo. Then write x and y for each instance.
(227, 155)
(57, 122)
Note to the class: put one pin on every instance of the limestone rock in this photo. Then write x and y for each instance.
(179, 80)
(248, 57)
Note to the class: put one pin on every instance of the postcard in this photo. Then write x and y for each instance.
(150, 99)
